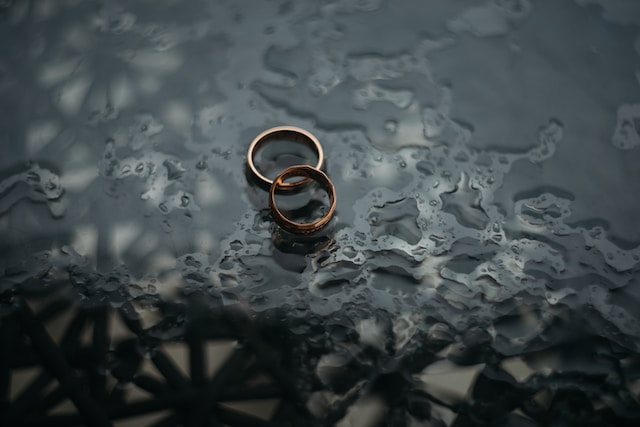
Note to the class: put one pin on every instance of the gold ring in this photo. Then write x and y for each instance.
(310, 173)
(291, 133)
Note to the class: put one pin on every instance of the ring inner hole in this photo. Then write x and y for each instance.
(305, 206)
(282, 150)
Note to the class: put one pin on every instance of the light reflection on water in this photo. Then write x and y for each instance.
(485, 157)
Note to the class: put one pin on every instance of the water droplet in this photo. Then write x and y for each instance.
(461, 156)
(349, 252)
(425, 168)
(391, 126)
(111, 284)
(136, 291)
(438, 240)
(227, 263)
(33, 177)
(190, 261)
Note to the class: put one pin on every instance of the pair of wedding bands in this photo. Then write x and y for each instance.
(279, 184)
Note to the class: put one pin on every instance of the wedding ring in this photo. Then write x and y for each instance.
(290, 133)
(310, 174)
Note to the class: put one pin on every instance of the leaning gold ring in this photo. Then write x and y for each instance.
(291, 133)
(310, 173)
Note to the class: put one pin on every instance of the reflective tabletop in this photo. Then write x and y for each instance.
(482, 266)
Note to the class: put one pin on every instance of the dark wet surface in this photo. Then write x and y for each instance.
(483, 265)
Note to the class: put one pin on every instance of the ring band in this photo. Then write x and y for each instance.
(292, 133)
(310, 173)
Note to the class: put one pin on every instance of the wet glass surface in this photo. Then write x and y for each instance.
(483, 264)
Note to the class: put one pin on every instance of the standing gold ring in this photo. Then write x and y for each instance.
(291, 133)
(310, 173)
